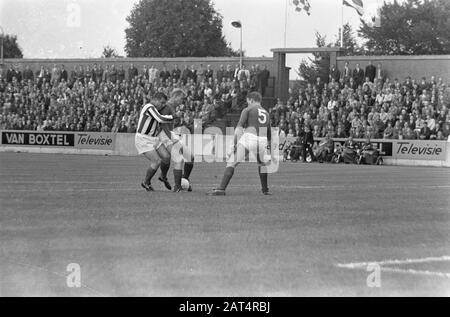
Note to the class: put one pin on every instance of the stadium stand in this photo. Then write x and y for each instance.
(109, 100)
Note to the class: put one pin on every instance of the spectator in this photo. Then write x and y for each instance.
(264, 80)
(370, 72)
(425, 132)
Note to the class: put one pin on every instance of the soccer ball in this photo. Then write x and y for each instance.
(185, 184)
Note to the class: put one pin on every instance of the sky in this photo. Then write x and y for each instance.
(81, 28)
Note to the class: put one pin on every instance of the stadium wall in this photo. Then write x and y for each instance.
(403, 66)
(207, 146)
(69, 64)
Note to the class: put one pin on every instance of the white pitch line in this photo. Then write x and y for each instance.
(415, 272)
(406, 261)
(363, 265)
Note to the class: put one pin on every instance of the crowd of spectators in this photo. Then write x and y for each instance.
(366, 103)
(108, 98)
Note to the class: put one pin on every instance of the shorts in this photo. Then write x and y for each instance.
(166, 141)
(145, 143)
(253, 143)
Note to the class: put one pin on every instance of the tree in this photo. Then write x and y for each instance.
(109, 52)
(411, 28)
(11, 48)
(350, 44)
(170, 28)
(319, 66)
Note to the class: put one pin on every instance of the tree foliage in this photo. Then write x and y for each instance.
(109, 52)
(412, 28)
(175, 28)
(319, 65)
(11, 48)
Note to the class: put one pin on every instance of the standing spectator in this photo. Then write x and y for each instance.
(64, 75)
(229, 74)
(220, 73)
(113, 74)
(98, 73)
(28, 74)
(132, 72)
(186, 75)
(193, 74)
(358, 75)
(106, 74)
(209, 73)
(244, 74)
(380, 74)
(307, 141)
(370, 71)
(164, 75)
(346, 73)
(152, 74)
(334, 73)
(73, 75)
(144, 72)
(121, 74)
(264, 80)
(10, 74)
(176, 73)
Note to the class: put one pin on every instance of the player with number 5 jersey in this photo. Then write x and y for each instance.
(253, 135)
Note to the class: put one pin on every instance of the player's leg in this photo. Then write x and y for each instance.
(164, 154)
(188, 159)
(165, 164)
(261, 151)
(233, 161)
(177, 159)
(155, 162)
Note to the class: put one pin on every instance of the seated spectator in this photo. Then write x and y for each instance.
(350, 148)
(425, 132)
(388, 132)
(325, 149)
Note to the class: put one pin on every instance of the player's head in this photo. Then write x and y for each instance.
(159, 100)
(254, 98)
(177, 97)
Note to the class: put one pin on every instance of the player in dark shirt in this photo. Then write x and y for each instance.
(180, 154)
(253, 135)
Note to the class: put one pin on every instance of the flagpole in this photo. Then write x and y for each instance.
(285, 21)
(342, 23)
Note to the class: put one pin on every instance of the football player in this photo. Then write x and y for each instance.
(171, 139)
(252, 134)
(147, 141)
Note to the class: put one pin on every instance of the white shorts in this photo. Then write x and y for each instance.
(253, 143)
(166, 141)
(145, 143)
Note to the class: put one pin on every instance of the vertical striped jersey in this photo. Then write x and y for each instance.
(150, 120)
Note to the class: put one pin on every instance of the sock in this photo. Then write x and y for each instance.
(229, 171)
(164, 169)
(188, 169)
(177, 177)
(149, 175)
(263, 178)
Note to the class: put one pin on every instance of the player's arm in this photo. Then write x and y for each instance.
(240, 126)
(161, 118)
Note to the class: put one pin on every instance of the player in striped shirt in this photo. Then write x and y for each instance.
(147, 141)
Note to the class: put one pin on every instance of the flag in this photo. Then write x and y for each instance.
(302, 5)
(355, 4)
